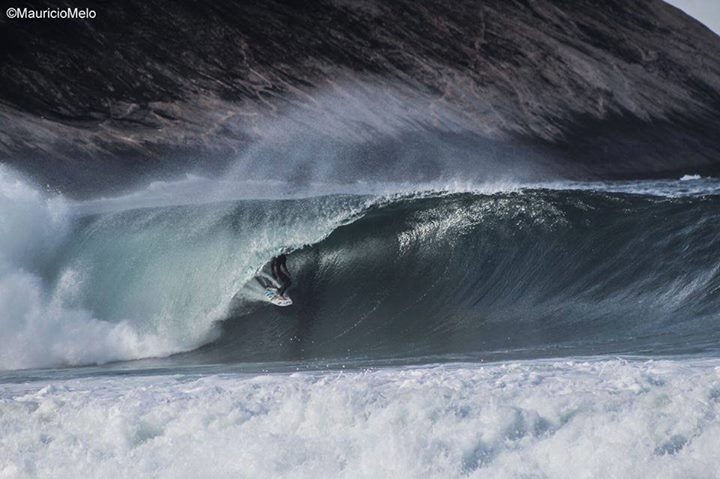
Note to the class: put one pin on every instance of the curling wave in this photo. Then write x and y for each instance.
(537, 272)
(533, 272)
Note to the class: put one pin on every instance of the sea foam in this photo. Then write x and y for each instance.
(562, 419)
(38, 326)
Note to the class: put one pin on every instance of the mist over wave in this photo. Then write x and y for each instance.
(369, 132)
(355, 137)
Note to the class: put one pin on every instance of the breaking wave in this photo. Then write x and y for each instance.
(527, 272)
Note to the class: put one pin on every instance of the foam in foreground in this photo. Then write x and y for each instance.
(600, 418)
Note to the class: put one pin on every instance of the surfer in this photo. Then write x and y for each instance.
(280, 273)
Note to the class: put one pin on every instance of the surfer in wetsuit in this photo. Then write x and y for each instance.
(280, 273)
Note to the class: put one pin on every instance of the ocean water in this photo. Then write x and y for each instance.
(509, 330)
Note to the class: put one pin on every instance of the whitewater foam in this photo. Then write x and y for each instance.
(79, 289)
(38, 326)
(687, 186)
(690, 178)
(562, 419)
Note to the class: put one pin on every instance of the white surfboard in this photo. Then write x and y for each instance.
(272, 296)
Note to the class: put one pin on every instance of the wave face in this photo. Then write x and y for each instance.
(536, 272)
(532, 272)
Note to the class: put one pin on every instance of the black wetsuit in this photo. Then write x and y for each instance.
(280, 273)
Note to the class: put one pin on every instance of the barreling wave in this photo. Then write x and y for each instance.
(535, 272)
(146, 282)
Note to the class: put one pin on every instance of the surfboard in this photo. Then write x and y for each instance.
(272, 296)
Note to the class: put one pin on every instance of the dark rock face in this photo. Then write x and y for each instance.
(601, 89)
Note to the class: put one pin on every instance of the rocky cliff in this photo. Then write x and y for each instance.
(590, 89)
